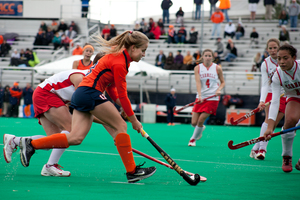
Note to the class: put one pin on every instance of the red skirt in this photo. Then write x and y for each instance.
(282, 104)
(43, 100)
(209, 107)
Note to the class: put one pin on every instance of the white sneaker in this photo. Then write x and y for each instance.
(54, 170)
(192, 143)
(200, 136)
(253, 153)
(261, 155)
(9, 147)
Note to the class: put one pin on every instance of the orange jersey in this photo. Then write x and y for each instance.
(109, 74)
(81, 66)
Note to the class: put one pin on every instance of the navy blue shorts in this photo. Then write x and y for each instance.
(86, 99)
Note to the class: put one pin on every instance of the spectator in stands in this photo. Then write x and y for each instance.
(28, 55)
(254, 36)
(294, 10)
(154, 32)
(22, 54)
(4, 49)
(264, 56)
(193, 36)
(225, 6)
(14, 58)
(43, 26)
(65, 41)
(169, 61)
(220, 46)
(284, 36)
(71, 33)
(160, 59)
(78, 50)
(229, 29)
(178, 60)
(142, 23)
(269, 7)
(197, 56)
(105, 32)
(137, 27)
(217, 59)
(113, 31)
(187, 61)
(170, 102)
(84, 8)
(6, 94)
(165, 5)
(49, 36)
(283, 18)
(56, 41)
(40, 37)
(74, 26)
(171, 35)
(181, 35)
(240, 31)
(161, 26)
(217, 18)
(1, 39)
(198, 9)
(62, 26)
(257, 60)
(27, 94)
(212, 7)
(14, 100)
(35, 60)
(252, 9)
(150, 23)
(54, 26)
(232, 52)
(179, 16)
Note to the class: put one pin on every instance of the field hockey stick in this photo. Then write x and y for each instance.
(255, 140)
(249, 114)
(202, 178)
(191, 180)
(191, 104)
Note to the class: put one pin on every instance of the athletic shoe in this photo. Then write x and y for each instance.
(297, 166)
(140, 173)
(287, 164)
(170, 124)
(192, 143)
(261, 155)
(26, 151)
(9, 147)
(253, 153)
(198, 138)
(54, 170)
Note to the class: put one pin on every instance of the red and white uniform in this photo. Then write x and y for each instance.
(55, 91)
(61, 85)
(290, 81)
(209, 84)
(268, 68)
(209, 81)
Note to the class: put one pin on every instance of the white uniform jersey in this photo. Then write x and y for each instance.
(61, 85)
(209, 81)
(290, 81)
(268, 68)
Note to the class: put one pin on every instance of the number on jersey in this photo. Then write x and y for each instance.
(207, 83)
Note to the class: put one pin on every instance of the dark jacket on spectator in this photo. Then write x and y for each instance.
(254, 35)
(240, 29)
(179, 13)
(193, 37)
(213, 2)
(198, 2)
(170, 100)
(269, 2)
(253, 1)
(166, 4)
(27, 94)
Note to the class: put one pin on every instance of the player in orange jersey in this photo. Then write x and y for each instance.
(108, 74)
(85, 63)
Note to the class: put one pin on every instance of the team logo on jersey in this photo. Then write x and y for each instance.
(291, 85)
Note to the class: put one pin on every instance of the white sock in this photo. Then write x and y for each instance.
(56, 153)
(298, 123)
(197, 132)
(17, 139)
(287, 140)
(263, 144)
(263, 128)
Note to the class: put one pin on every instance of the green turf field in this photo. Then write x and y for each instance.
(98, 173)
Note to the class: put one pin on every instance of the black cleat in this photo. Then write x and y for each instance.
(26, 151)
(140, 173)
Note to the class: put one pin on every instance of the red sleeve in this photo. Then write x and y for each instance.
(120, 73)
(112, 92)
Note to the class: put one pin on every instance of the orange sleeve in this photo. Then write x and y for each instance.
(120, 73)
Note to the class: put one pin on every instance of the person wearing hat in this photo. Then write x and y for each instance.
(14, 100)
(229, 29)
(170, 102)
(62, 26)
(113, 31)
(78, 50)
(171, 35)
